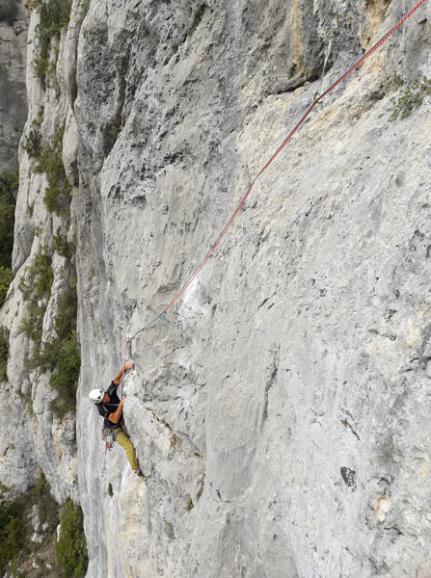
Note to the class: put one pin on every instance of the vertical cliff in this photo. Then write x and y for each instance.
(281, 411)
(13, 102)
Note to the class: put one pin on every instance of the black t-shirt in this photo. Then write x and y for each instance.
(105, 409)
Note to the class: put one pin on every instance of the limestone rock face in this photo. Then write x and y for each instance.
(281, 411)
(32, 438)
(13, 102)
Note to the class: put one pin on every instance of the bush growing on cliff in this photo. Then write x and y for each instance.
(6, 278)
(36, 284)
(63, 247)
(412, 98)
(8, 192)
(4, 353)
(54, 16)
(16, 529)
(36, 288)
(112, 132)
(40, 494)
(12, 536)
(66, 374)
(71, 549)
(33, 141)
(61, 356)
(49, 161)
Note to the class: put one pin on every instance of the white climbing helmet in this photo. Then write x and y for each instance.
(96, 395)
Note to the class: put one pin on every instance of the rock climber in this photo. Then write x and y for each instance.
(110, 408)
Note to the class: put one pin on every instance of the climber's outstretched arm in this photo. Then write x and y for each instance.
(119, 376)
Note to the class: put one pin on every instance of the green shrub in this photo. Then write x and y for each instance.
(36, 284)
(61, 356)
(4, 353)
(393, 83)
(65, 321)
(71, 548)
(49, 161)
(12, 535)
(43, 68)
(63, 247)
(16, 529)
(33, 141)
(54, 16)
(32, 324)
(36, 288)
(6, 278)
(42, 276)
(65, 378)
(111, 134)
(8, 191)
(40, 494)
(412, 98)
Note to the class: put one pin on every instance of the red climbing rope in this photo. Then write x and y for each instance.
(356, 66)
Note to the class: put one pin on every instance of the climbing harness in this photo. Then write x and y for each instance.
(108, 438)
(354, 68)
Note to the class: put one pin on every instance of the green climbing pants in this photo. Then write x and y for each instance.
(124, 441)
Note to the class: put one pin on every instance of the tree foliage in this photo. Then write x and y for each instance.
(71, 549)
(16, 526)
(8, 192)
(4, 353)
(54, 16)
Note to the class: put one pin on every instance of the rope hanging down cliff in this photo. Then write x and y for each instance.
(355, 67)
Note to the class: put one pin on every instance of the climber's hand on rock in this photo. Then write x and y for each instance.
(129, 364)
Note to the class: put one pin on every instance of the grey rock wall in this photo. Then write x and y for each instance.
(281, 411)
(32, 437)
(13, 101)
